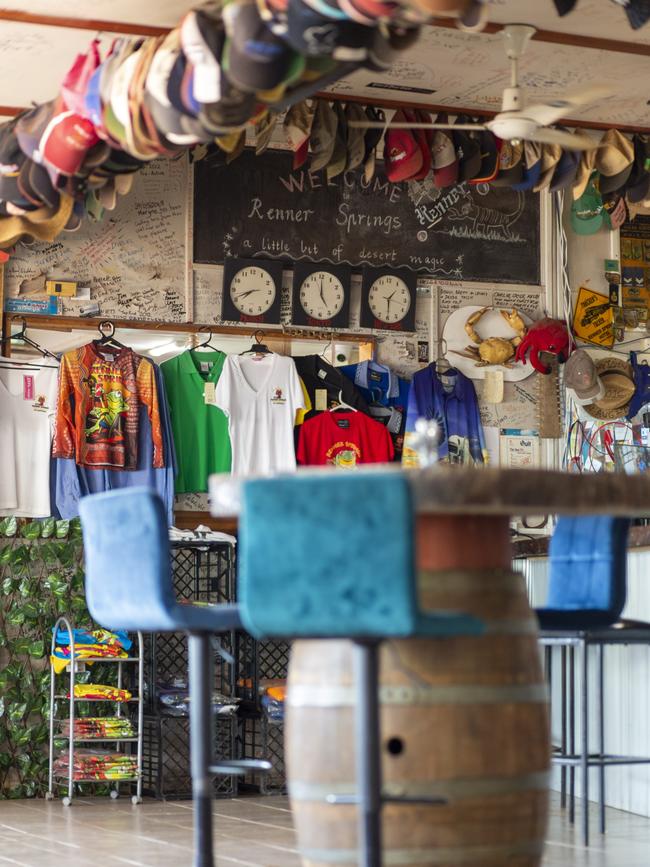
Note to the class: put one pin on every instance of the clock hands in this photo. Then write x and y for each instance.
(245, 294)
(322, 297)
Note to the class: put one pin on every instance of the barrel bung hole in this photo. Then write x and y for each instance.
(395, 746)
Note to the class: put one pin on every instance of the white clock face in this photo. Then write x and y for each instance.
(252, 290)
(389, 299)
(322, 295)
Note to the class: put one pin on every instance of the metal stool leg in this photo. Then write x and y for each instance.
(584, 734)
(572, 733)
(367, 753)
(601, 733)
(563, 711)
(201, 684)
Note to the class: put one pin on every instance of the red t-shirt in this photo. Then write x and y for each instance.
(344, 439)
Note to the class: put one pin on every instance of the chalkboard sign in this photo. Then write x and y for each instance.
(259, 206)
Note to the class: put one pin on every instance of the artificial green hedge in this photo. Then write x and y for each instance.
(41, 577)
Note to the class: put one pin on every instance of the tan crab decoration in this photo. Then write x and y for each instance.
(494, 350)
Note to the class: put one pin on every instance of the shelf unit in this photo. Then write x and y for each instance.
(72, 669)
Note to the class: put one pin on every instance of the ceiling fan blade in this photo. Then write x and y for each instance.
(571, 141)
(373, 124)
(546, 113)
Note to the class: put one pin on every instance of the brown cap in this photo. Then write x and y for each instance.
(617, 377)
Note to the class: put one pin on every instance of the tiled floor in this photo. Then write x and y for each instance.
(253, 832)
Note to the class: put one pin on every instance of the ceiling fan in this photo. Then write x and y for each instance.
(517, 121)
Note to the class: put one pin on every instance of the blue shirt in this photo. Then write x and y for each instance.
(69, 481)
(450, 399)
(381, 388)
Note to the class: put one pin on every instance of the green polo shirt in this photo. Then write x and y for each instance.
(200, 430)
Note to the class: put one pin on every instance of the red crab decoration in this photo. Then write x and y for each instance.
(547, 335)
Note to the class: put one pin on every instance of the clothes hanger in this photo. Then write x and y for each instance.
(207, 343)
(327, 346)
(22, 335)
(108, 339)
(442, 364)
(341, 404)
(258, 347)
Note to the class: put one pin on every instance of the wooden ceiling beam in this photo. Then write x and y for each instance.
(551, 36)
(96, 24)
(455, 110)
(555, 38)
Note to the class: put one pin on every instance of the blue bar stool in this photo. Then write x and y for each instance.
(129, 586)
(331, 556)
(586, 596)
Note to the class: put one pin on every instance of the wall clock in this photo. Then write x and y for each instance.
(388, 298)
(321, 294)
(251, 290)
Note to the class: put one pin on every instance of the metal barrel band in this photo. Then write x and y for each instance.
(450, 790)
(300, 695)
(469, 579)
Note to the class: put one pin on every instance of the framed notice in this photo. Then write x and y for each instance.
(593, 318)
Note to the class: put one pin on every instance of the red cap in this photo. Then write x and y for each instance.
(402, 155)
(66, 141)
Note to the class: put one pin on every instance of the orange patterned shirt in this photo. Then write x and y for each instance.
(100, 391)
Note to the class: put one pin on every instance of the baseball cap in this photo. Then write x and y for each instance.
(313, 34)
(31, 125)
(615, 210)
(638, 183)
(75, 82)
(371, 142)
(254, 57)
(614, 160)
(489, 147)
(13, 228)
(402, 154)
(323, 135)
(66, 141)
(511, 165)
(532, 166)
(587, 211)
(565, 170)
(443, 157)
(356, 139)
(423, 144)
(468, 151)
(551, 155)
(339, 156)
(637, 11)
(202, 36)
(586, 166)
(581, 378)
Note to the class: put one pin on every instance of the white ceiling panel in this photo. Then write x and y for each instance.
(35, 58)
(155, 13)
(597, 18)
(449, 67)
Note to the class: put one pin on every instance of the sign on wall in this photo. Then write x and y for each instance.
(259, 206)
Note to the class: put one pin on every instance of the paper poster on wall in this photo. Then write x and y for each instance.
(593, 318)
(518, 449)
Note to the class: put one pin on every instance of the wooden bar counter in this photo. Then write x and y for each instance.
(464, 720)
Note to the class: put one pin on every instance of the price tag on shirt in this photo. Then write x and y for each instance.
(209, 390)
(320, 400)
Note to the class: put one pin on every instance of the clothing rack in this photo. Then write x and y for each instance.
(272, 335)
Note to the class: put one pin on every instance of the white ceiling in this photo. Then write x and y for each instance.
(461, 69)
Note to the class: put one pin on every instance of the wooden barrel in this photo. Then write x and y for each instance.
(464, 719)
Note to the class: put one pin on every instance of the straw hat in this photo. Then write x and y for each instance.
(617, 377)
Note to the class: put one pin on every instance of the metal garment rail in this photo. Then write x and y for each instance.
(72, 670)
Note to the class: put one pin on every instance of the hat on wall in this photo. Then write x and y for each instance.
(587, 212)
(638, 184)
(618, 380)
(444, 159)
(402, 153)
(586, 165)
(532, 166)
(581, 378)
(614, 160)
(511, 164)
(323, 135)
(551, 155)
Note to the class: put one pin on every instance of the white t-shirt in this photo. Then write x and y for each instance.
(27, 408)
(260, 395)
